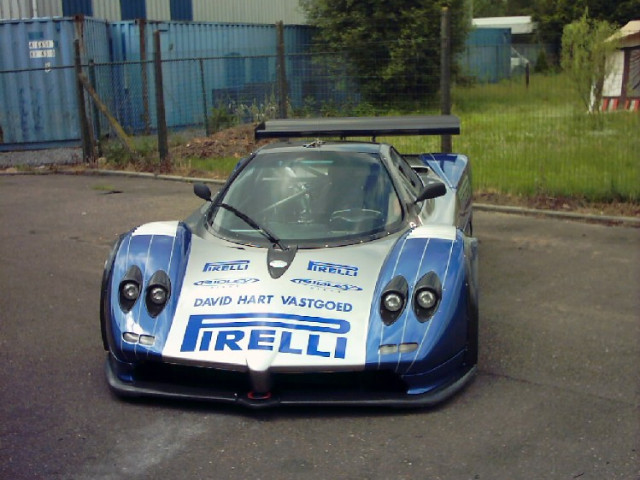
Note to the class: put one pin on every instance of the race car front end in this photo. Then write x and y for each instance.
(391, 322)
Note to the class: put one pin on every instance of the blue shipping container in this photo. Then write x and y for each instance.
(487, 54)
(38, 102)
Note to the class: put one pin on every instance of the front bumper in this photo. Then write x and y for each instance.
(236, 391)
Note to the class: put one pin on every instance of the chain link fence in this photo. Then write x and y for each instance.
(525, 135)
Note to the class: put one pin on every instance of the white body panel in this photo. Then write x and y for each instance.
(232, 314)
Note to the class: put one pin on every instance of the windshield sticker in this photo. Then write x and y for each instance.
(333, 268)
(326, 285)
(226, 266)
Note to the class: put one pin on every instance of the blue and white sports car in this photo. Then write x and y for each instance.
(323, 272)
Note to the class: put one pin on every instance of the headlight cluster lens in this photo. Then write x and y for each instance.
(393, 299)
(158, 295)
(158, 292)
(129, 289)
(426, 298)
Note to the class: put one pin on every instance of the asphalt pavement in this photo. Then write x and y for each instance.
(557, 395)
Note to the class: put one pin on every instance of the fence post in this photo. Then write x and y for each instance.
(281, 72)
(445, 75)
(95, 118)
(146, 117)
(88, 155)
(204, 98)
(163, 144)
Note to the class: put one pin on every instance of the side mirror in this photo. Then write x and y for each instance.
(433, 190)
(202, 191)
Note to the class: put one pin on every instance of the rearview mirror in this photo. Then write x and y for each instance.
(202, 191)
(432, 190)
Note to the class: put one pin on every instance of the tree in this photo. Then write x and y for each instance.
(552, 15)
(585, 46)
(390, 47)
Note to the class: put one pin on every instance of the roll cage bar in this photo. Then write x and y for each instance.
(359, 127)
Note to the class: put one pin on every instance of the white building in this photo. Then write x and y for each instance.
(621, 88)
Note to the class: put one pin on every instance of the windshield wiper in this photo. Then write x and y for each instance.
(255, 225)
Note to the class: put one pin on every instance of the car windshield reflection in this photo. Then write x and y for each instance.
(310, 198)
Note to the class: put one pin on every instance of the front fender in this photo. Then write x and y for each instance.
(160, 246)
(441, 338)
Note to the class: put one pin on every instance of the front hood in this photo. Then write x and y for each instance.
(231, 313)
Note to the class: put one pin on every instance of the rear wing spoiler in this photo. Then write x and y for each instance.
(359, 127)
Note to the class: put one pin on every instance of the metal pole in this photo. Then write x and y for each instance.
(87, 148)
(163, 143)
(445, 75)
(95, 118)
(281, 74)
(204, 98)
(146, 116)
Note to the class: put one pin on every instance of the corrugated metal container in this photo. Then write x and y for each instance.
(222, 60)
(487, 54)
(37, 82)
(205, 65)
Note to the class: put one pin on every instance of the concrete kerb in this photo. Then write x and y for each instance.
(607, 219)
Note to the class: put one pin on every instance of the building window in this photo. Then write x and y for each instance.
(132, 9)
(77, 7)
(181, 10)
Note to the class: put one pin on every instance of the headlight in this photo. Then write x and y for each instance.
(158, 293)
(130, 291)
(427, 296)
(130, 287)
(393, 302)
(393, 299)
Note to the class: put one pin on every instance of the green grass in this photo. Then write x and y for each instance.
(528, 141)
(217, 167)
(541, 141)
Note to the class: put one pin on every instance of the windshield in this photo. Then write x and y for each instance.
(310, 198)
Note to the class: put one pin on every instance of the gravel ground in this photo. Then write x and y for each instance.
(52, 156)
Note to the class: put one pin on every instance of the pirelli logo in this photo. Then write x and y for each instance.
(226, 266)
(333, 268)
